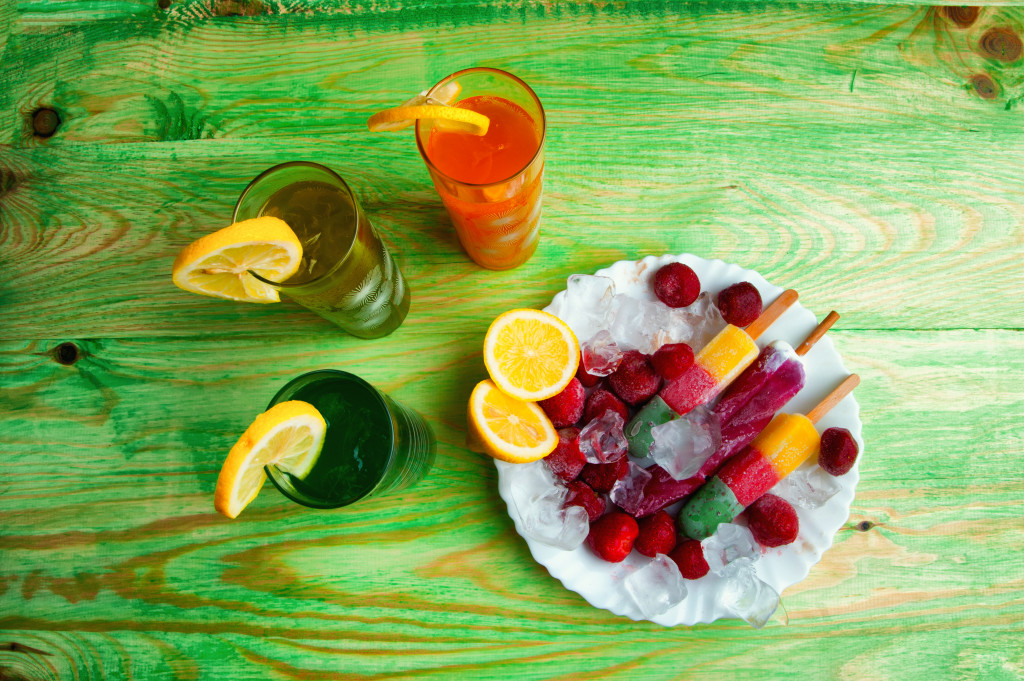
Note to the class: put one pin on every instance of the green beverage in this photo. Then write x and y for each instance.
(347, 274)
(373, 445)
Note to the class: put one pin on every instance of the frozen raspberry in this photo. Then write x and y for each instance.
(657, 535)
(603, 476)
(689, 556)
(567, 460)
(672, 360)
(740, 304)
(635, 381)
(601, 401)
(612, 536)
(838, 451)
(581, 494)
(676, 285)
(772, 521)
(588, 380)
(565, 408)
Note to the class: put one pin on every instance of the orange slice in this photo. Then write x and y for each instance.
(289, 435)
(218, 264)
(530, 354)
(507, 428)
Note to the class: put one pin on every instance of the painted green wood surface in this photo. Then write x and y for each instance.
(868, 156)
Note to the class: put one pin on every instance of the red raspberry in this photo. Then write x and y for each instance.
(635, 381)
(772, 521)
(838, 451)
(603, 476)
(740, 303)
(676, 285)
(601, 401)
(588, 380)
(612, 536)
(581, 494)
(671, 361)
(565, 408)
(689, 557)
(567, 460)
(657, 535)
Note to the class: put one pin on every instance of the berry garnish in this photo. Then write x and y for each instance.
(567, 460)
(565, 408)
(740, 304)
(689, 557)
(772, 521)
(603, 476)
(672, 360)
(657, 535)
(635, 381)
(599, 402)
(612, 536)
(676, 285)
(581, 494)
(838, 451)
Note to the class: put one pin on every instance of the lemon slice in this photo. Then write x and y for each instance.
(218, 264)
(289, 435)
(443, 96)
(437, 106)
(507, 428)
(530, 354)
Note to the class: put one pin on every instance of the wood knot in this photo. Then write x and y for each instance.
(984, 86)
(962, 16)
(67, 354)
(45, 122)
(163, 4)
(864, 525)
(1001, 44)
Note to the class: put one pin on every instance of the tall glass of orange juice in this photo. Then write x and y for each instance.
(490, 184)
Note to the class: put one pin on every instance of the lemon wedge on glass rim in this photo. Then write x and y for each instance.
(289, 435)
(438, 106)
(218, 264)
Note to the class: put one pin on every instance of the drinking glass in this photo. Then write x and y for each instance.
(373, 444)
(495, 200)
(347, 274)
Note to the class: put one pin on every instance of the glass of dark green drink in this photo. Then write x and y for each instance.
(347, 274)
(373, 444)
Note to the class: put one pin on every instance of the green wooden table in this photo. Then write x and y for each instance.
(870, 157)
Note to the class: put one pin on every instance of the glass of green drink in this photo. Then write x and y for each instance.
(347, 274)
(373, 444)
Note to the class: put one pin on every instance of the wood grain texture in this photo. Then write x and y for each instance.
(867, 156)
(112, 554)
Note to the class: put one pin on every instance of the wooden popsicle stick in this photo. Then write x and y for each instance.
(816, 335)
(834, 397)
(772, 312)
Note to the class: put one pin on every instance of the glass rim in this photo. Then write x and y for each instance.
(529, 91)
(381, 402)
(348, 190)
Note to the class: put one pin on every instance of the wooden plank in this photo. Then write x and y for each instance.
(801, 143)
(112, 558)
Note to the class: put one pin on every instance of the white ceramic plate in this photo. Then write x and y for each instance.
(600, 582)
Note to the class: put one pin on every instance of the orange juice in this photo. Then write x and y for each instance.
(491, 184)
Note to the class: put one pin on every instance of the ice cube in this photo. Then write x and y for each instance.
(656, 587)
(539, 500)
(681, 446)
(586, 306)
(601, 356)
(745, 595)
(809, 487)
(729, 543)
(626, 322)
(602, 440)
(628, 492)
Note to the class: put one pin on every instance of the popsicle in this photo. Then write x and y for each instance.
(788, 441)
(715, 367)
(746, 407)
